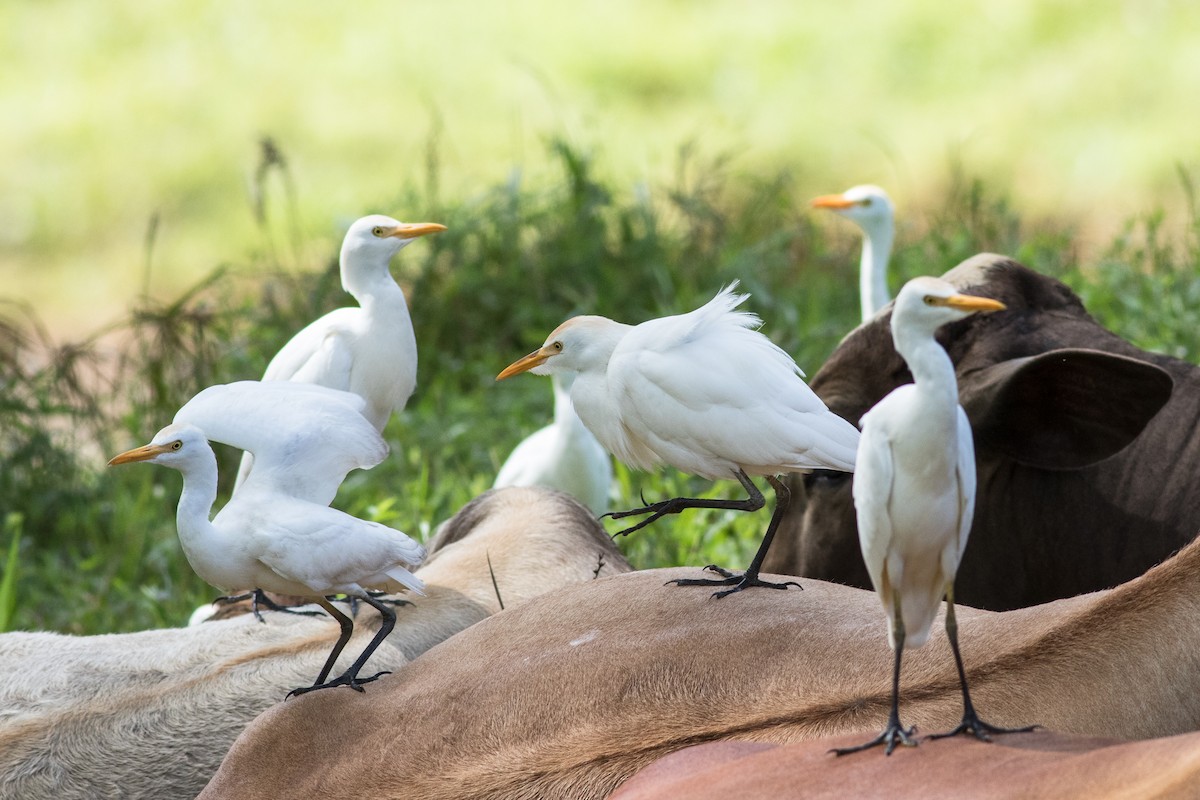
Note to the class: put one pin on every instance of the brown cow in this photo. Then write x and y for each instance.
(570, 694)
(1041, 764)
(1066, 503)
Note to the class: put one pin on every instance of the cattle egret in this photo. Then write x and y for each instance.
(914, 489)
(705, 393)
(563, 455)
(870, 208)
(369, 350)
(277, 532)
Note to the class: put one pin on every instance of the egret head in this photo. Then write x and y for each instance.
(174, 446)
(383, 236)
(928, 303)
(867, 205)
(581, 344)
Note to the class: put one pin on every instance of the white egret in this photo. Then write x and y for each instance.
(870, 208)
(564, 455)
(277, 532)
(914, 489)
(369, 350)
(704, 392)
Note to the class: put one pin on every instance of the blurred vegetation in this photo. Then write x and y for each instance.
(125, 116)
(95, 550)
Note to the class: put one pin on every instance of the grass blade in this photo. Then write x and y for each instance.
(8, 583)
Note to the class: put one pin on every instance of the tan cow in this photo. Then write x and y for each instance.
(150, 714)
(569, 695)
(1037, 765)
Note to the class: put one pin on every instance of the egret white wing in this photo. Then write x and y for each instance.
(529, 461)
(966, 479)
(576, 464)
(667, 333)
(588, 471)
(304, 438)
(330, 551)
(331, 365)
(873, 483)
(671, 379)
(319, 353)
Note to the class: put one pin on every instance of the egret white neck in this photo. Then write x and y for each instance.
(872, 271)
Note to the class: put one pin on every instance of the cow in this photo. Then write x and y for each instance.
(1087, 448)
(151, 714)
(570, 694)
(1042, 764)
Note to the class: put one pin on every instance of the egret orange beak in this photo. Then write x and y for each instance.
(411, 230)
(969, 302)
(524, 364)
(834, 202)
(144, 453)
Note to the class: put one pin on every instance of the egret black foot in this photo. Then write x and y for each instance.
(972, 724)
(353, 682)
(892, 735)
(655, 512)
(732, 579)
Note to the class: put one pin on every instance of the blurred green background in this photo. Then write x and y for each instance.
(177, 178)
(121, 112)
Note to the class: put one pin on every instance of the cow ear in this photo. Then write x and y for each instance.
(1063, 409)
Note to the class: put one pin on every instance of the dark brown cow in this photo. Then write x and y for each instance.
(1071, 498)
(567, 696)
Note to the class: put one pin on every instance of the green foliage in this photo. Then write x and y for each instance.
(1146, 287)
(8, 580)
(97, 547)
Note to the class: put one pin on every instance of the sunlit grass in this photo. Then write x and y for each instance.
(8, 583)
(124, 112)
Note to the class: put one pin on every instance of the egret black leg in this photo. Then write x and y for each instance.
(352, 600)
(263, 599)
(971, 723)
(894, 733)
(350, 676)
(258, 598)
(677, 504)
(230, 599)
(347, 630)
(391, 601)
(750, 576)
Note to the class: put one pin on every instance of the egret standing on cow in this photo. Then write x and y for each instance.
(278, 532)
(914, 490)
(370, 350)
(704, 392)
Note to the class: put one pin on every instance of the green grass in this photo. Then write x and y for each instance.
(96, 549)
(8, 583)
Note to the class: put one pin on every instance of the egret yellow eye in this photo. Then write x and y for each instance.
(866, 201)
(930, 300)
(378, 231)
(175, 445)
(556, 347)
